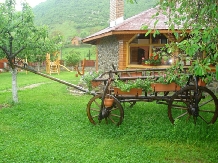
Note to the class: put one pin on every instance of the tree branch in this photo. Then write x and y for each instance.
(10, 60)
(14, 55)
(4, 50)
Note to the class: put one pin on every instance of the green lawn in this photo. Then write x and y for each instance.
(50, 125)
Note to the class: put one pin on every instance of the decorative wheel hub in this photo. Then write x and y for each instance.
(193, 110)
(104, 113)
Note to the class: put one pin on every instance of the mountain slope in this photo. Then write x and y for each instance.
(81, 17)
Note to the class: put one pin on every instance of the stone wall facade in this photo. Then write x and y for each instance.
(108, 53)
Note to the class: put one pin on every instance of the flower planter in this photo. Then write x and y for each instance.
(108, 102)
(133, 91)
(95, 83)
(146, 64)
(131, 74)
(160, 87)
(212, 68)
(163, 62)
(201, 83)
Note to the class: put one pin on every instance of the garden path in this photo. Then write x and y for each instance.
(25, 87)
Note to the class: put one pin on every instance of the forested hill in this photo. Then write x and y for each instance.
(81, 17)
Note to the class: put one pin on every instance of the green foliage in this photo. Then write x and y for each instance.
(201, 43)
(83, 49)
(153, 60)
(200, 19)
(66, 16)
(73, 58)
(173, 74)
(89, 76)
(19, 36)
(145, 84)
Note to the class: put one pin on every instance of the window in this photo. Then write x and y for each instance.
(143, 47)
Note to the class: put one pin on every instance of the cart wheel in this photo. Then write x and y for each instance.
(183, 106)
(113, 114)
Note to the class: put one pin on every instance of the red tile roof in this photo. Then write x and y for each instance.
(134, 23)
(144, 18)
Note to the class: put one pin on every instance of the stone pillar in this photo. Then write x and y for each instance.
(108, 53)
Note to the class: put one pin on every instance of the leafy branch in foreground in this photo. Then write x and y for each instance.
(196, 23)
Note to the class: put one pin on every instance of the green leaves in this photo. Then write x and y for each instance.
(200, 67)
(126, 85)
(175, 73)
(88, 77)
(147, 33)
(20, 36)
(200, 18)
(73, 58)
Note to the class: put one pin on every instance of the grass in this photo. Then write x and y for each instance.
(50, 125)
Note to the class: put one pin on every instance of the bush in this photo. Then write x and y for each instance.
(73, 58)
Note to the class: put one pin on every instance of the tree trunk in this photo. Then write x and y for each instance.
(38, 66)
(14, 85)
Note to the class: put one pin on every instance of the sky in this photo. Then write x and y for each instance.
(32, 3)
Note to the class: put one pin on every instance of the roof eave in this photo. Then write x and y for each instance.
(92, 40)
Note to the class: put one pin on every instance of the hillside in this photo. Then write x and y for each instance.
(81, 17)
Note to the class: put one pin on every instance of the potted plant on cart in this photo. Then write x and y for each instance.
(88, 79)
(131, 87)
(108, 102)
(108, 99)
(171, 80)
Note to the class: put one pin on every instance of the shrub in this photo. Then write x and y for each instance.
(73, 58)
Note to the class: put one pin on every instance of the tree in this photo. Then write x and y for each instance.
(73, 58)
(20, 37)
(201, 18)
(198, 21)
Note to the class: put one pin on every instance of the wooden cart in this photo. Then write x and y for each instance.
(191, 101)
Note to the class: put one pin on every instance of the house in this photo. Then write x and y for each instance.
(124, 43)
(76, 41)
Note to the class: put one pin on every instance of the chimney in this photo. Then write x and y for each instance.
(116, 12)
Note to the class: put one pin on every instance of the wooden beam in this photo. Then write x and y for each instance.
(127, 32)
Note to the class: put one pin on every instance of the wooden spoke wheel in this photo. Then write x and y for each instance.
(113, 114)
(186, 104)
